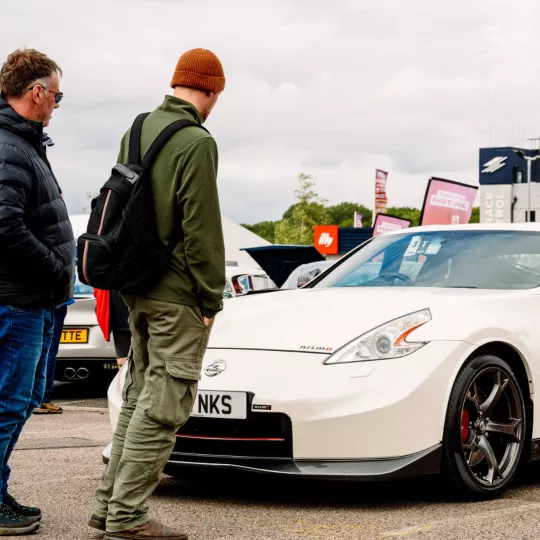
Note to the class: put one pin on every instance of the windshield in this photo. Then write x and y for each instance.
(461, 259)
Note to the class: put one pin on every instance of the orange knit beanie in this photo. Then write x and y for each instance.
(199, 69)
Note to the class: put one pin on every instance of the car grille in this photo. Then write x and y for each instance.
(260, 435)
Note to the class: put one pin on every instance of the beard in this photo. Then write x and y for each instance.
(205, 113)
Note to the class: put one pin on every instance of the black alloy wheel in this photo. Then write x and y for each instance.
(486, 429)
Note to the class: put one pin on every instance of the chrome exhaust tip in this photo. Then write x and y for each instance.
(70, 373)
(83, 373)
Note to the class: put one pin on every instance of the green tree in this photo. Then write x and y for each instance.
(296, 227)
(289, 212)
(406, 212)
(475, 217)
(342, 214)
(264, 229)
(288, 231)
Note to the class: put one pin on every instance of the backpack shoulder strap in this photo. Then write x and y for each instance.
(134, 157)
(163, 137)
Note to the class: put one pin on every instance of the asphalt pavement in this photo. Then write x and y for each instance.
(57, 466)
(90, 394)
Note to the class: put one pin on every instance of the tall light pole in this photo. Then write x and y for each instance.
(529, 161)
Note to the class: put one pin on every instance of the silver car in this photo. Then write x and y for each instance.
(83, 352)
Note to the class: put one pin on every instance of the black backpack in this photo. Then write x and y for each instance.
(121, 249)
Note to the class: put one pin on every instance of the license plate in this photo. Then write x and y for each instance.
(74, 335)
(212, 404)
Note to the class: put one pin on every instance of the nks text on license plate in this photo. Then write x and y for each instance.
(214, 404)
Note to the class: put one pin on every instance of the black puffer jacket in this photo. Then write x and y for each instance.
(37, 248)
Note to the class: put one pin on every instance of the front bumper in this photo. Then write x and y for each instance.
(422, 463)
(367, 419)
(347, 412)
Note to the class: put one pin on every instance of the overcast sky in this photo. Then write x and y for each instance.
(332, 88)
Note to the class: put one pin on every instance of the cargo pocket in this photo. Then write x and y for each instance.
(185, 361)
(172, 406)
(184, 367)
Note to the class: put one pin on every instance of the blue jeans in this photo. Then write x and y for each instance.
(59, 318)
(25, 338)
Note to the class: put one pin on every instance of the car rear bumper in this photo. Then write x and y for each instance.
(87, 360)
(76, 369)
(421, 463)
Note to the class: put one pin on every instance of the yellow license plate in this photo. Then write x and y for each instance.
(74, 335)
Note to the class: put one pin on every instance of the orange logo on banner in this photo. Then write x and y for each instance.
(326, 239)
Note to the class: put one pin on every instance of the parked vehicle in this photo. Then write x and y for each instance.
(83, 351)
(417, 353)
(306, 273)
(242, 279)
(280, 261)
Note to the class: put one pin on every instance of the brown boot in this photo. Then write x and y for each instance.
(151, 530)
(98, 523)
(48, 408)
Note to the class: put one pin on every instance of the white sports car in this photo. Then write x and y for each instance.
(417, 353)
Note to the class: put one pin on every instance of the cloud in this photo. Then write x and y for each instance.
(335, 89)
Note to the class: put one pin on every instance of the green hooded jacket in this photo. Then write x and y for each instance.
(184, 181)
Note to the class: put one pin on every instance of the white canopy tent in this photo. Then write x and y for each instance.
(236, 238)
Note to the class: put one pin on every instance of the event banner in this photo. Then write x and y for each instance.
(447, 203)
(385, 224)
(358, 217)
(381, 200)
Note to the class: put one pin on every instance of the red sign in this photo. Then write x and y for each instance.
(447, 203)
(381, 201)
(326, 239)
(385, 224)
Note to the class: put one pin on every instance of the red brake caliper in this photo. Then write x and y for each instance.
(464, 425)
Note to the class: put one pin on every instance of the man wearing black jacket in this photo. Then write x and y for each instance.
(37, 256)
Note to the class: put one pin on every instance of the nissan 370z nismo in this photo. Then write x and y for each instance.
(418, 353)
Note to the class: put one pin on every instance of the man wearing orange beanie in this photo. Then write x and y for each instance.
(171, 324)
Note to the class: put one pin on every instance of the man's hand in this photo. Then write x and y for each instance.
(121, 361)
(207, 321)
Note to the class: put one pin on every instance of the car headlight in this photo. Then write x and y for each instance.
(384, 342)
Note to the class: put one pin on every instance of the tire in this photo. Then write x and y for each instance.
(486, 430)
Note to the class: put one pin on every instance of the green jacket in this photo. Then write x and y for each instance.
(186, 197)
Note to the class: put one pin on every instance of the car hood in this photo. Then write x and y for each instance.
(323, 320)
(279, 261)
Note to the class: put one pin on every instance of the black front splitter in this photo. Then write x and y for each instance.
(421, 463)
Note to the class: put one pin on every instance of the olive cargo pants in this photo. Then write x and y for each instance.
(168, 345)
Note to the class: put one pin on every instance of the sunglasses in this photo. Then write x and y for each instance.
(58, 96)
